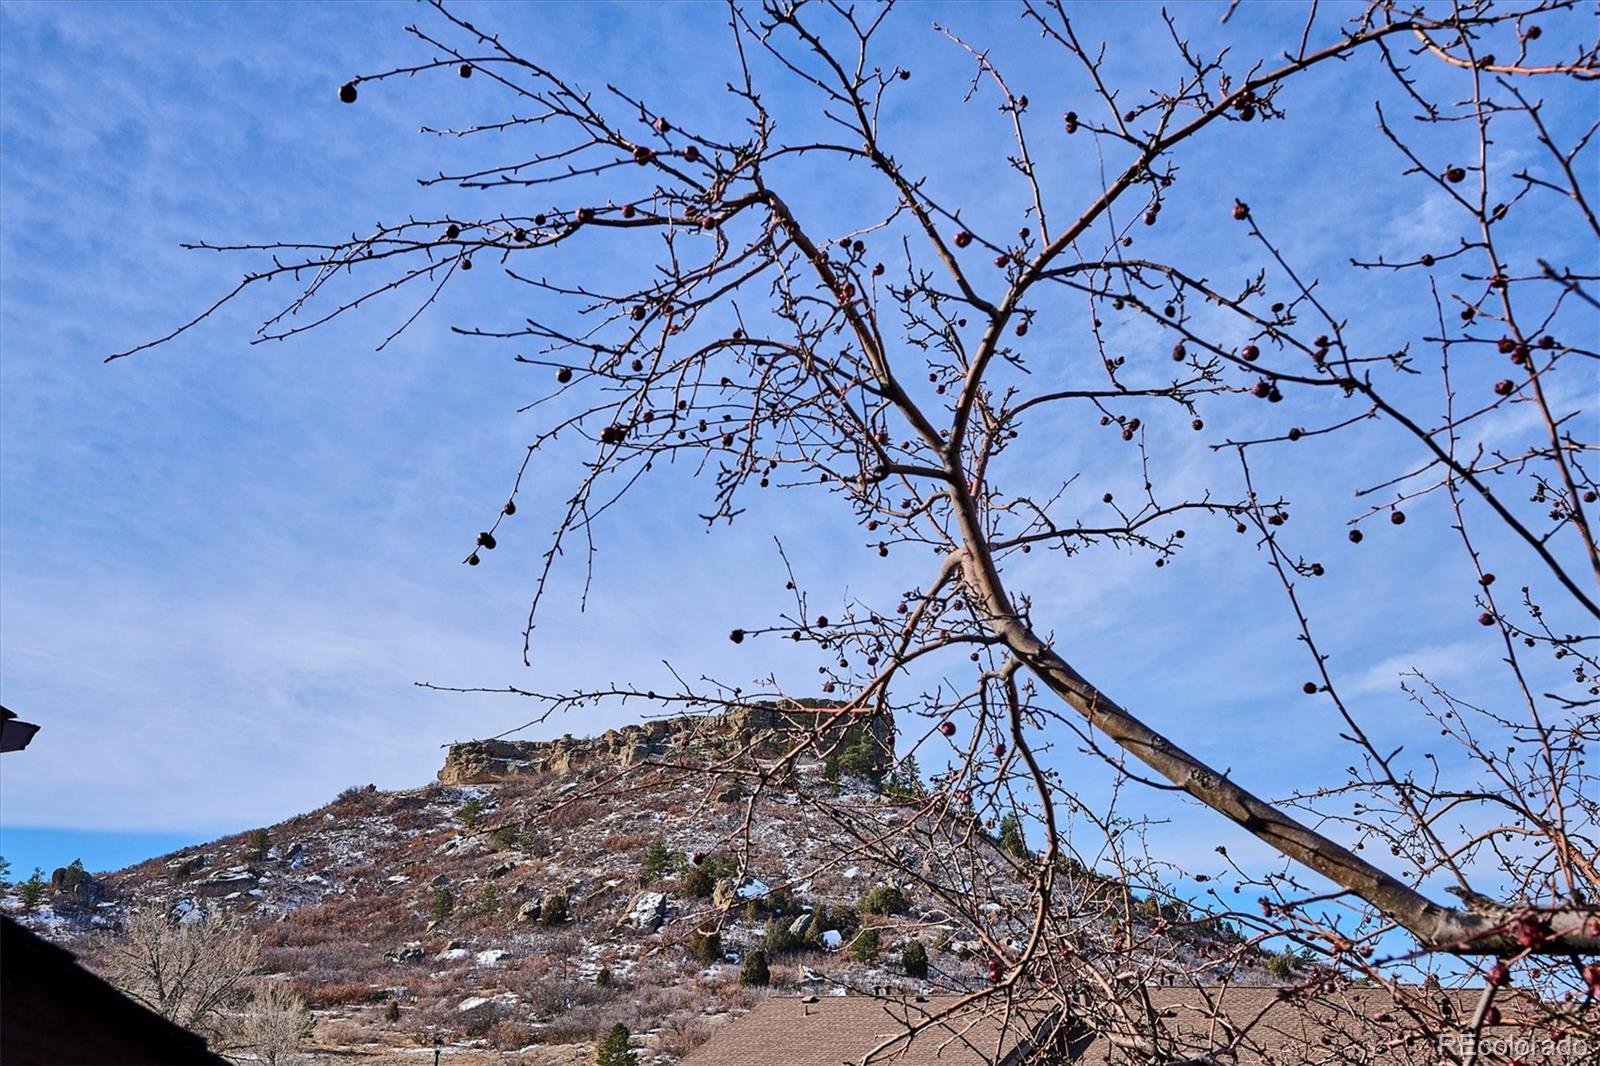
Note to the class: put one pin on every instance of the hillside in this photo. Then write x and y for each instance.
(540, 892)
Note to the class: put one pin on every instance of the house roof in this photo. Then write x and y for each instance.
(834, 1030)
(1264, 1027)
(1248, 1026)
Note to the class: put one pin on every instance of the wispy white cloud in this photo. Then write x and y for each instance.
(1441, 664)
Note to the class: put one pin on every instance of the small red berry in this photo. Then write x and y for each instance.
(486, 541)
(465, 70)
(641, 154)
(1261, 390)
(963, 239)
(1507, 345)
(1486, 580)
(1486, 619)
(510, 508)
(472, 560)
(1355, 536)
(1504, 387)
(1455, 175)
(564, 374)
(347, 92)
(1001, 260)
(1241, 210)
(947, 728)
(1309, 688)
(1397, 518)
(1498, 975)
(691, 154)
(1250, 353)
(737, 636)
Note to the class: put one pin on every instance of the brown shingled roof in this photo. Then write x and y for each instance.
(834, 1030)
(1263, 1027)
(1244, 1026)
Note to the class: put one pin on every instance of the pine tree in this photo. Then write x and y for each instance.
(1011, 836)
(754, 973)
(658, 863)
(259, 843)
(914, 959)
(864, 948)
(706, 946)
(31, 891)
(73, 875)
(615, 1049)
(906, 781)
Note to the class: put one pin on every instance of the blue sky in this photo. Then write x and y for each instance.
(224, 566)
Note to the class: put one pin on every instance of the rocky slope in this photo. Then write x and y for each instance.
(539, 893)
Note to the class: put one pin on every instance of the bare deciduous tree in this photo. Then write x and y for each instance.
(276, 1022)
(883, 365)
(193, 972)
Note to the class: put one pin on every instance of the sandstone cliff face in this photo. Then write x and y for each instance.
(765, 732)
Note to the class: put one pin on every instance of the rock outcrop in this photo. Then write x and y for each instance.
(818, 729)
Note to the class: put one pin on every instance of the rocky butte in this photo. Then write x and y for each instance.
(536, 895)
(801, 729)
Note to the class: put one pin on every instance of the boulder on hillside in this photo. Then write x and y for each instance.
(647, 914)
(408, 952)
(226, 884)
(75, 885)
(529, 912)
